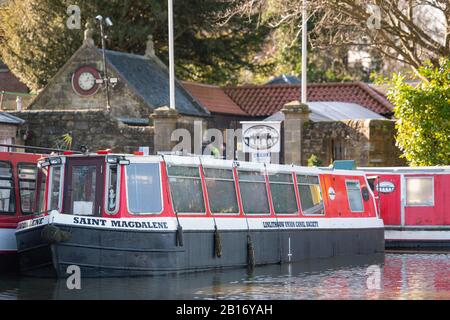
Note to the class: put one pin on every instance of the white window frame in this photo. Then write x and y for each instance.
(406, 191)
(305, 212)
(293, 184)
(160, 184)
(248, 181)
(220, 179)
(61, 185)
(119, 173)
(185, 177)
(348, 198)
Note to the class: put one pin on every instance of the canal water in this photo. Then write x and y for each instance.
(388, 276)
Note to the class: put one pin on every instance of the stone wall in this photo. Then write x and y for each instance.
(383, 151)
(95, 129)
(9, 102)
(8, 131)
(368, 142)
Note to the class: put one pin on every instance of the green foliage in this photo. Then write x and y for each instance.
(35, 41)
(63, 142)
(423, 113)
(283, 54)
(313, 161)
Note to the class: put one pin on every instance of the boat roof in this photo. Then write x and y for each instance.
(211, 162)
(430, 169)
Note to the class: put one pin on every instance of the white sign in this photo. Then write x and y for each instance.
(385, 187)
(261, 136)
(331, 193)
(261, 157)
(145, 150)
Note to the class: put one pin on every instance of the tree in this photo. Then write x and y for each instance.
(35, 41)
(408, 31)
(423, 113)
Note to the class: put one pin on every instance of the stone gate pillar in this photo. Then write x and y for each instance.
(164, 122)
(295, 115)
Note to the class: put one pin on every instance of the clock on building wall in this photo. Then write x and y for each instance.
(84, 81)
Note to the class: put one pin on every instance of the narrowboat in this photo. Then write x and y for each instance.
(131, 215)
(414, 203)
(18, 173)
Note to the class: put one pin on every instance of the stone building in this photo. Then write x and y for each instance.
(341, 120)
(14, 95)
(73, 102)
(11, 131)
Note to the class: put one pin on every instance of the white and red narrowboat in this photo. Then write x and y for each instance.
(128, 215)
(414, 203)
(18, 174)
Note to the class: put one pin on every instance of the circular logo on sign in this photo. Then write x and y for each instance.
(331, 193)
(261, 137)
(385, 187)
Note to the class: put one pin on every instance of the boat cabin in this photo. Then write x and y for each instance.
(18, 174)
(126, 186)
(414, 205)
(412, 196)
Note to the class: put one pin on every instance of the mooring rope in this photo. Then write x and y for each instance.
(179, 233)
(217, 240)
(250, 248)
(280, 256)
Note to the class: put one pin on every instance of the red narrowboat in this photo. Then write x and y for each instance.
(128, 215)
(414, 203)
(18, 173)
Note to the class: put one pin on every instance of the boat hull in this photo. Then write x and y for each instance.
(101, 252)
(9, 262)
(8, 251)
(418, 238)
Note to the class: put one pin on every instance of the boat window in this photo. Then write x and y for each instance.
(283, 193)
(354, 196)
(83, 187)
(27, 186)
(221, 190)
(419, 191)
(112, 190)
(310, 194)
(143, 188)
(7, 196)
(55, 186)
(253, 192)
(186, 189)
(42, 183)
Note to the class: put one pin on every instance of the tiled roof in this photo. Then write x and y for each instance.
(150, 80)
(267, 99)
(9, 82)
(213, 98)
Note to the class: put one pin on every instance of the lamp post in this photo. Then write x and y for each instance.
(304, 52)
(171, 57)
(105, 80)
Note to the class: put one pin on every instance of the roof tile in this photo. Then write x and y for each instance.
(213, 98)
(265, 100)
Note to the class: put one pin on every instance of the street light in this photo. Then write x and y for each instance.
(171, 56)
(106, 80)
(304, 51)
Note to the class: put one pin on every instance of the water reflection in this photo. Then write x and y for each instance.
(402, 276)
